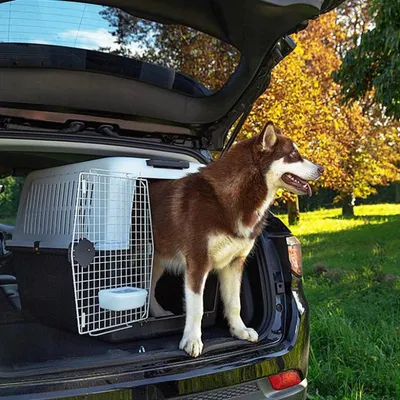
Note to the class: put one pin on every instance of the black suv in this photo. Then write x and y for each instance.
(167, 82)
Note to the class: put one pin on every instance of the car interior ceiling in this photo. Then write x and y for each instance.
(19, 164)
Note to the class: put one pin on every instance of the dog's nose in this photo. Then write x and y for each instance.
(320, 169)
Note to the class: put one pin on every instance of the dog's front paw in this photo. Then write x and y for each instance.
(245, 333)
(192, 345)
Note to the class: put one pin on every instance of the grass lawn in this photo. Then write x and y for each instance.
(352, 280)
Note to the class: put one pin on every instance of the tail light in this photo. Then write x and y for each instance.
(294, 250)
(284, 380)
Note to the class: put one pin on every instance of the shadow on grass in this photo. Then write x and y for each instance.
(357, 247)
(377, 217)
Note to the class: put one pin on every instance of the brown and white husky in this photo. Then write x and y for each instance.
(209, 220)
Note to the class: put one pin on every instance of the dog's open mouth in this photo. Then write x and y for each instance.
(300, 185)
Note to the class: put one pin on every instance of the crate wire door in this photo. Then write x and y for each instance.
(113, 215)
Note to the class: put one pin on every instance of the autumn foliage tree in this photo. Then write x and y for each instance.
(357, 149)
(200, 56)
(299, 101)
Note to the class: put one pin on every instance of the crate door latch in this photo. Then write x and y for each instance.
(84, 252)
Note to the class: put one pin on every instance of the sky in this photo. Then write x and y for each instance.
(54, 22)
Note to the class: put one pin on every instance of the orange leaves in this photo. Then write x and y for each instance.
(303, 100)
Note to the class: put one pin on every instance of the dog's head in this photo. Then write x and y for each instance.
(282, 164)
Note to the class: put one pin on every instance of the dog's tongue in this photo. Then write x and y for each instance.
(309, 191)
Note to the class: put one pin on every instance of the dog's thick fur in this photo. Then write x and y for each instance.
(209, 221)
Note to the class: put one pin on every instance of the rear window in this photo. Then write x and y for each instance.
(172, 56)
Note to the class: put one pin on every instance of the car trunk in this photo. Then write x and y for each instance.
(37, 344)
(35, 347)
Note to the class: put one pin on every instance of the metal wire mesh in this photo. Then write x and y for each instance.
(113, 213)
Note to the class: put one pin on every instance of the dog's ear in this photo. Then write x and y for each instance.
(267, 137)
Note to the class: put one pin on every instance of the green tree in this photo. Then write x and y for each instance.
(371, 65)
(9, 199)
(370, 69)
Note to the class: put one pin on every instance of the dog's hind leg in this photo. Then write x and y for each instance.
(155, 309)
(230, 279)
(195, 279)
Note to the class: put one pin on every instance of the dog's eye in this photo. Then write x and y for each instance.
(293, 153)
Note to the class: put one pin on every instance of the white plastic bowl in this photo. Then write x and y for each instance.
(122, 298)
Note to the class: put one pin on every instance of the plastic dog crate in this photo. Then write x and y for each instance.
(83, 246)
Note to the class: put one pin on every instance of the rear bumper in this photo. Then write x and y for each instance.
(256, 390)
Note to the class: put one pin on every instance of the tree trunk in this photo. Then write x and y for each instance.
(293, 211)
(348, 205)
(397, 194)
